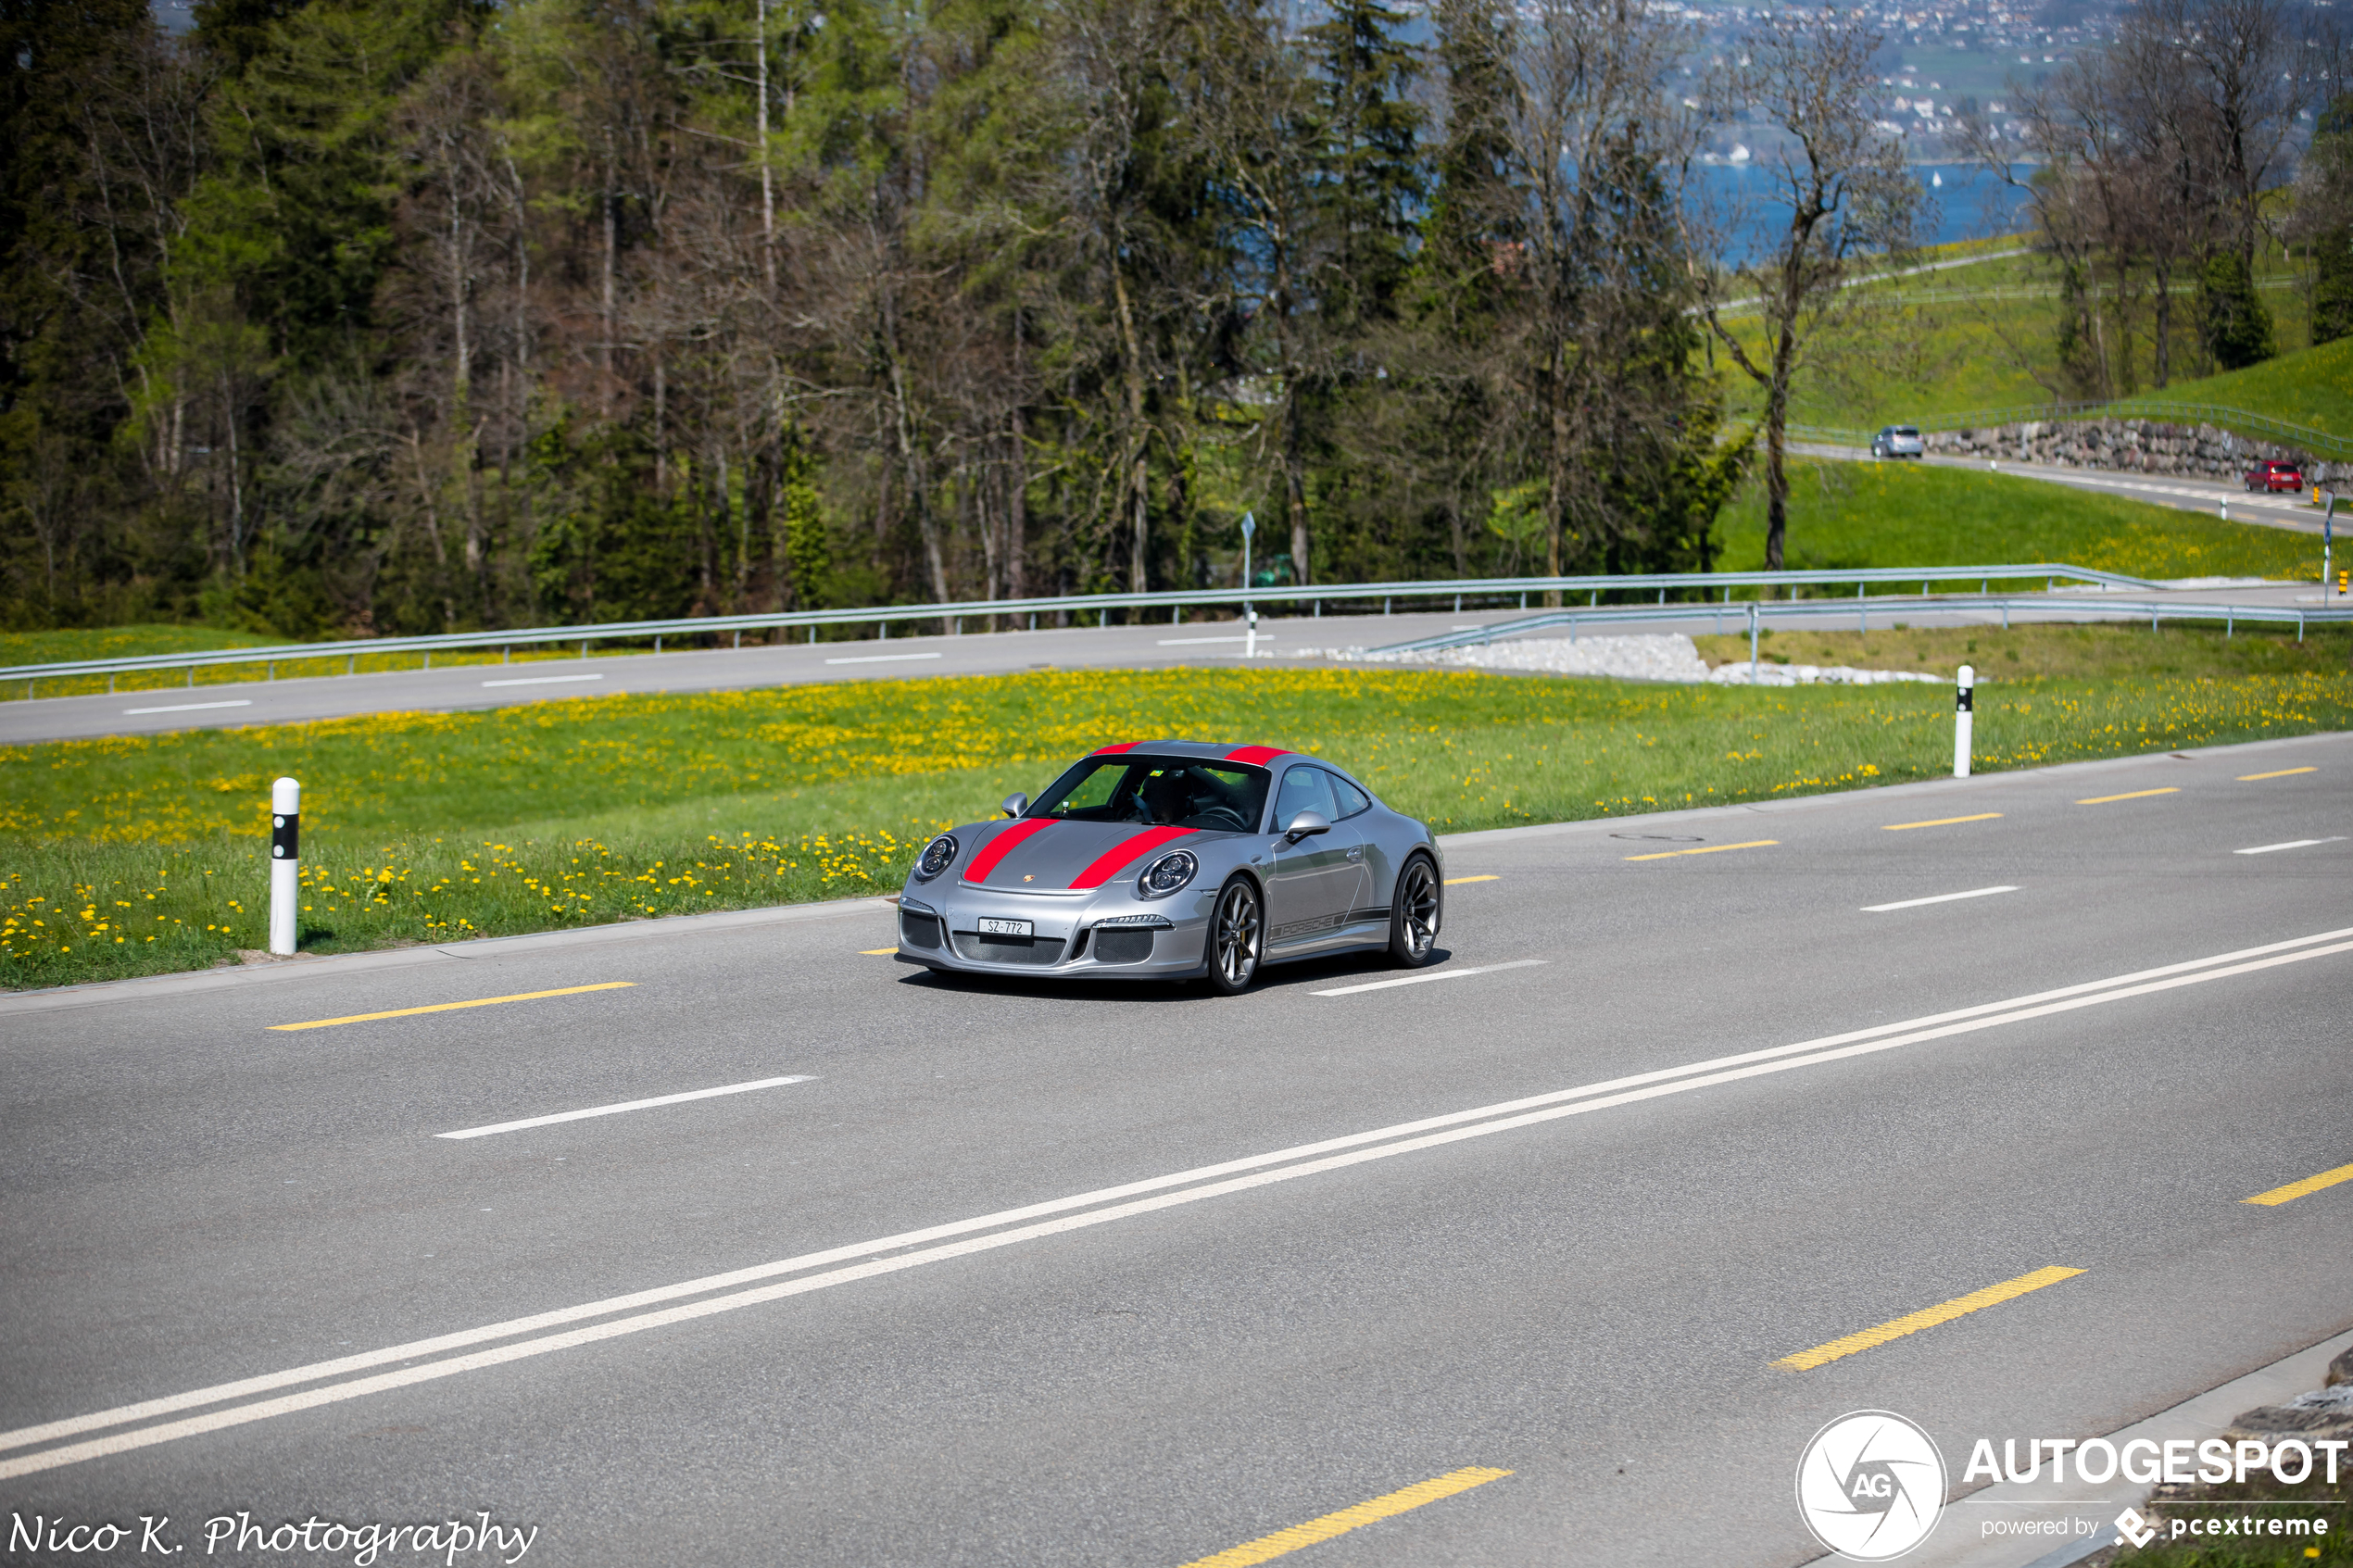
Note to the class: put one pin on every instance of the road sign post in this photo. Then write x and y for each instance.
(285, 877)
(1964, 719)
(1250, 614)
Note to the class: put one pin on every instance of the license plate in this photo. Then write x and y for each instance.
(1006, 928)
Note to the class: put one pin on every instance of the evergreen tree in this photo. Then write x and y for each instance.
(2234, 324)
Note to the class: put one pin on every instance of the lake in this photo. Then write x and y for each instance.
(1964, 203)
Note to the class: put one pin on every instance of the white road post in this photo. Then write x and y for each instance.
(285, 877)
(2328, 544)
(1964, 700)
(1249, 616)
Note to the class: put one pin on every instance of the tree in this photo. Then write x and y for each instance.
(1842, 182)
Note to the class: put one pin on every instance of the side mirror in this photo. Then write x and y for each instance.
(1016, 802)
(1306, 825)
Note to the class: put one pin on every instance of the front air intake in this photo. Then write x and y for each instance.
(918, 931)
(1028, 951)
(1116, 944)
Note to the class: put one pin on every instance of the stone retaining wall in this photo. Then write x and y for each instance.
(2134, 446)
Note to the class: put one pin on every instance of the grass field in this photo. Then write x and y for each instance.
(1967, 336)
(1846, 514)
(134, 855)
(2048, 652)
(2313, 386)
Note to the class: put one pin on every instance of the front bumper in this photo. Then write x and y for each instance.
(1094, 936)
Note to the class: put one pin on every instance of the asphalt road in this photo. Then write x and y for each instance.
(1002, 1281)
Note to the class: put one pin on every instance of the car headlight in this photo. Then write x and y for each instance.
(1168, 874)
(937, 856)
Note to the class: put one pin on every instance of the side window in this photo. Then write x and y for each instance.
(1350, 799)
(1304, 789)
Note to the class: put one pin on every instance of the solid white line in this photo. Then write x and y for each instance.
(1433, 974)
(624, 1105)
(881, 658)
(1266, 637)
(2291, 843)
(1940, 898)
(1481, 1120)
(543, 681)
(192, 706)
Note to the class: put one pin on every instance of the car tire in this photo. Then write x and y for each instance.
(1236, 943)
(1416, 909)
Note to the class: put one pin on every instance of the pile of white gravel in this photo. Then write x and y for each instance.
(1650, 657)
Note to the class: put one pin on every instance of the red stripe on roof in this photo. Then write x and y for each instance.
(1005, 844)
(1259, 754)
(1124, 854)
(1120, 750)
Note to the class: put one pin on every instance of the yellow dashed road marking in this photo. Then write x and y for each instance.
(2295, 1191)
(1706, 850)
(1912, 1323)
(1265, 1549)
(453, 1007)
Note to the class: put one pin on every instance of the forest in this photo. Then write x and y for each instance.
(343, 318)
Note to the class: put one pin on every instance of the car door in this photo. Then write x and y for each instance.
(1311, 886)
(1378, 874)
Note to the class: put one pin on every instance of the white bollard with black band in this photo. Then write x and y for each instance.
(285, 875)
(1964, 702)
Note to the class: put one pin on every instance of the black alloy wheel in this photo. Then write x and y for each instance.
(1415, 913)
(1235, 933)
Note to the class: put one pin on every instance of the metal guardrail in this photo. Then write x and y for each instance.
(1752, 614)
(883, 617)
(2318, 442)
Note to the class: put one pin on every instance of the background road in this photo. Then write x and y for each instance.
(1594, 1302)
(1289, 641)
(2178, 491)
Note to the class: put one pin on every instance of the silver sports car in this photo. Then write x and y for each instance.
(1174, 860)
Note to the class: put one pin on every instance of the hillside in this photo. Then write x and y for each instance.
(1935, 346)
(1899, 514)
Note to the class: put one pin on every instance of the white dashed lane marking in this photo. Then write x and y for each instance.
(1939, 899)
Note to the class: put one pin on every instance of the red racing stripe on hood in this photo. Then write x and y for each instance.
(1005, 844)
(1261, 754)
(1122, 750)
(1124, 854)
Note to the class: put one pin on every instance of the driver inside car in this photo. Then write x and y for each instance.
(1163, 800)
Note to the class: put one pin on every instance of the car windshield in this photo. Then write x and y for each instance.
(1907, 430)
(1159, 791)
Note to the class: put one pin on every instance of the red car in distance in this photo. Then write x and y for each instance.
(2275, 476)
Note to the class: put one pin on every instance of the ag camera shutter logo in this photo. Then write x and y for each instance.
(1871, 1486)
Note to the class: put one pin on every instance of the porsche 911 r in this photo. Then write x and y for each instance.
(1171, 861)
